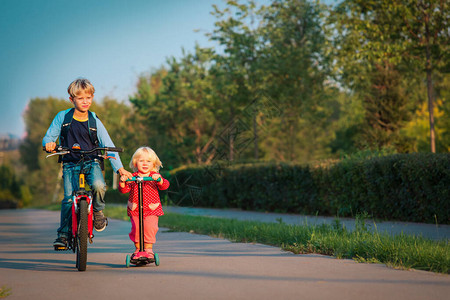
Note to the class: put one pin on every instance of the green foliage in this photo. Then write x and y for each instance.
(417, 131)
(179, 112)
(297, 65)
(369, 31)
(385, 50)
(114, 196)
(13, 193)
(411, 187)
(42, 174)
(38, 116)
(5, 291)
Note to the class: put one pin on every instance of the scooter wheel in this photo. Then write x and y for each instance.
(127, 261)
(156, 259)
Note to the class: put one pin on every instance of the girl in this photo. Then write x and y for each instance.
(145, 163)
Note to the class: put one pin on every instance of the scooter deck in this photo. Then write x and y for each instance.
(142, 260)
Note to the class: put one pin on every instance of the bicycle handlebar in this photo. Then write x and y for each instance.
(60, 150)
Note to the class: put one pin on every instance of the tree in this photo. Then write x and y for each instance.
(274, 58)
(297, 61)
(369, 51)
(181, 111)
(409, 37)
(238, 77)
(43, 174)
(426, 30)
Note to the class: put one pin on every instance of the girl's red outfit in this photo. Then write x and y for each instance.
(150, 197)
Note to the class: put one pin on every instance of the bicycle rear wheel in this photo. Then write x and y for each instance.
(82, 236)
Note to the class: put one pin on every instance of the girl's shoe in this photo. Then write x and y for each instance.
(150, 253)
(135, 254)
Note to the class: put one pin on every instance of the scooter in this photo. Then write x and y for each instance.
(141, 258)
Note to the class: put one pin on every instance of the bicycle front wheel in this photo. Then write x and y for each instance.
(82, 236)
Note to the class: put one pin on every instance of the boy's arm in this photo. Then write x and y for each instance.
(54, 130)
(105, 141)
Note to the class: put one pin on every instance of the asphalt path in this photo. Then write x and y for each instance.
(192, 267)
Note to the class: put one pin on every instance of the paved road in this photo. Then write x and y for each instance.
(192, 267)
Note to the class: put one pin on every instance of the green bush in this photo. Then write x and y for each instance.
(405, 187)
(114, 196)
(13, 193)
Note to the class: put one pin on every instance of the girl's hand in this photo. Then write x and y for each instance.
(156, 176)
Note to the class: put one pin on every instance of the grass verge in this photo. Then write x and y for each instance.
(5, 292)
(399, 251)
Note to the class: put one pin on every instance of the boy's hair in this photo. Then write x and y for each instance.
(147, 151)
(80, 84)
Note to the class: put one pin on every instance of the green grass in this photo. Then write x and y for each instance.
(362, 245)
(5, 292)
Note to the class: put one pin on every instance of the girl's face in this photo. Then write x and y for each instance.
(144, 164)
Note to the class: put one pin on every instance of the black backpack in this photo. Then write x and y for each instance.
(92, 125)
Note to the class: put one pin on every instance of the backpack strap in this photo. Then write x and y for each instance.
(68, 117)
(92, 124)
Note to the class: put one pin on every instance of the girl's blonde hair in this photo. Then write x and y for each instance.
(148, 152)
(80, 84)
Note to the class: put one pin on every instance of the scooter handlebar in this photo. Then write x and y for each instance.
(138, 178)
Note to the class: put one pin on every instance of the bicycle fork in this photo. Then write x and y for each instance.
(82, 195)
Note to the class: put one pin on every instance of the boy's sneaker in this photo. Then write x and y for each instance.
(60, 243)
(100, 221)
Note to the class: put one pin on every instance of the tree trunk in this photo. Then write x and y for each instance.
(231, 137)
(430, 89)
(255, 135)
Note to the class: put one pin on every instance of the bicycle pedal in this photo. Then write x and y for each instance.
(61, 248)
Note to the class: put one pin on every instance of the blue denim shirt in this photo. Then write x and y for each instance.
(104, 139)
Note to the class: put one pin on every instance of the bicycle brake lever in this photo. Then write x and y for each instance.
(107, 156)
(57, 153)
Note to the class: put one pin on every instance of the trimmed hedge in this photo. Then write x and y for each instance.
(404, 187)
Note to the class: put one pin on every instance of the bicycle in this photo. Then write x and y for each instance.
(82, 209)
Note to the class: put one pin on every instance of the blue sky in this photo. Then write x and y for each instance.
(46, 44)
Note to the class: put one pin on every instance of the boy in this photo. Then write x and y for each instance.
(80, 126)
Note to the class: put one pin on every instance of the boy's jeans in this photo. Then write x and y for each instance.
(94, 178)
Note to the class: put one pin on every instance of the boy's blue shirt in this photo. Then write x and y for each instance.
(104, 139)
